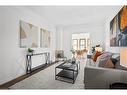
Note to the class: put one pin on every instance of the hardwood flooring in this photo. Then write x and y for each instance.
(12, 82)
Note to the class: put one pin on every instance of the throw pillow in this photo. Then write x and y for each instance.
(115, 55)
(101, 61)
(106, 54)
(97, 54)
(109, 64)
(114, 61)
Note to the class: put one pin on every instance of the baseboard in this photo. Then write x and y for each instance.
(18, 79)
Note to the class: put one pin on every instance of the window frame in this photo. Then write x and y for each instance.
(75, 44)
(84, 45)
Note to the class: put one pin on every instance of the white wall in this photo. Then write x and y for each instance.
(1, 46)
(12, 62)
(59, 35)
(80, 36)
(96, 35)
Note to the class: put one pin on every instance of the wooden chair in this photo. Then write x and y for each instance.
(59, 55)
(80, 53)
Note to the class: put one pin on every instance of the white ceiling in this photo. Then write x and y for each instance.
(72, 15)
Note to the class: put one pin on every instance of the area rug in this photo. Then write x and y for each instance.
(45, 79)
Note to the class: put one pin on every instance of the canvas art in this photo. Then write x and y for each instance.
(44, 38)
(118, 29)
(28, 35)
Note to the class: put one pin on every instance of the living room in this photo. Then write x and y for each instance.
(21, 52)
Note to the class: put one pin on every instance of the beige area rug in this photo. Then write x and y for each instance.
(45, 79)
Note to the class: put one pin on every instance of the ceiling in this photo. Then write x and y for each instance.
(72, 15)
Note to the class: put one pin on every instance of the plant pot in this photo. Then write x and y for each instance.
(30, 53)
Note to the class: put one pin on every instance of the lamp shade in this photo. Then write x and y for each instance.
(99, 49)
(123, 57)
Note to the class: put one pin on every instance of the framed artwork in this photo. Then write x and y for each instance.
(118, 29)
(28, 35)
(44, 38)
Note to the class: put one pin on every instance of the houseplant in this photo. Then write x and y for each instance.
(30, 51)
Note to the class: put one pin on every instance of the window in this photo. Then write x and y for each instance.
(88, 43)
(75, 44)
(81, 41)
(82, 44)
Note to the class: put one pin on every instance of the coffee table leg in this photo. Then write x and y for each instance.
(77, 68)
(55, 73)
(73, 77)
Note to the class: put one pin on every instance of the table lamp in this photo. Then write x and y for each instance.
(123, 57)
(99, 49)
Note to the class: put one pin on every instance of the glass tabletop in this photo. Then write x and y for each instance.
(67, 65)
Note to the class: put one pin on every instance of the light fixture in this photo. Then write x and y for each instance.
(123, 57)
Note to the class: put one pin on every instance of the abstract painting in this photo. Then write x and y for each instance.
(44, 38)
(28, 35)
(118, 29)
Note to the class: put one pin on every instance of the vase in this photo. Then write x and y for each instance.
(73, 60)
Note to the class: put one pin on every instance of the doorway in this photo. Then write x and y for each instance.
(81, 43)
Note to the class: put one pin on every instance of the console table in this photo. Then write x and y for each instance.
(29, 60)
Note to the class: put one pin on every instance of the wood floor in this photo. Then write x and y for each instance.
(12, 82)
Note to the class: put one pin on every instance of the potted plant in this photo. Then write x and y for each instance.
(30, 51)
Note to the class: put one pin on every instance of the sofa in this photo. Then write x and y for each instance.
(97, 77)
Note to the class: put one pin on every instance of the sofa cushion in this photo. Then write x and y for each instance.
(101, 61)
(96, 55)
(115, 55)
(114, 61)
(103, 58)
(105, 55)
(109, 64)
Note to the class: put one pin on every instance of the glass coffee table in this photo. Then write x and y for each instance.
(67, 71)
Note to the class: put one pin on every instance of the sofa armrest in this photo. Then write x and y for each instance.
(97, 77)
